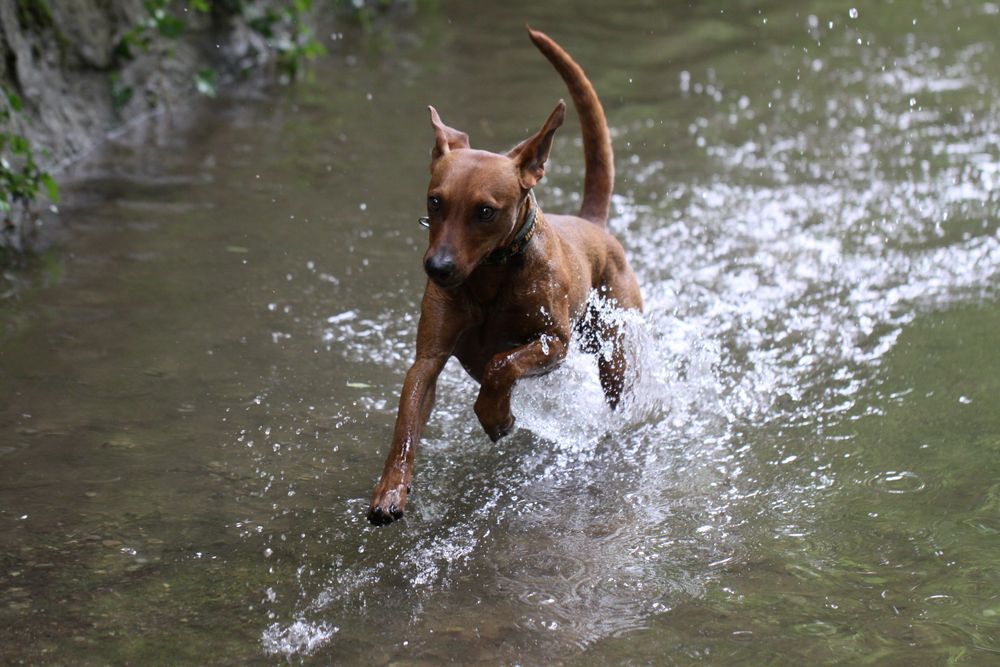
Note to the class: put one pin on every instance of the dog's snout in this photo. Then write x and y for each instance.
(440, 267)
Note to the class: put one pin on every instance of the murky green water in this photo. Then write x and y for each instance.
(198, 384)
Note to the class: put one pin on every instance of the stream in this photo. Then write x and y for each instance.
(199, 378)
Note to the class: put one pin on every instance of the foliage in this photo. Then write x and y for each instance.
(204, 82)
(158, 21)
(289, 36)
(121, 93)
(21, 179)
(363, 12)
(284, 28)
(34, 13)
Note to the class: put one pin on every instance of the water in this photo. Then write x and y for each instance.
(200, 379)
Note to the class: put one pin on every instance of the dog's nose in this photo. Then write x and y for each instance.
(440, 268)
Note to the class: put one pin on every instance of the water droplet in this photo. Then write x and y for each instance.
(852, 12)
(685, 81)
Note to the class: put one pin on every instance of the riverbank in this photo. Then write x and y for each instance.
(73, 73)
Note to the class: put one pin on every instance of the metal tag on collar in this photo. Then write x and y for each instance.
(424, 222)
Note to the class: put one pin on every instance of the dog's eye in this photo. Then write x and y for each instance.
(485, 213)
(433, 203)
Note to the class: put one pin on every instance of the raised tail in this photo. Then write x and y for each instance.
(599, 159)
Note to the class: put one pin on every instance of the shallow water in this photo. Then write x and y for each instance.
(200, 380)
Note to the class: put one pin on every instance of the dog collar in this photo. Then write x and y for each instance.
(520, 242)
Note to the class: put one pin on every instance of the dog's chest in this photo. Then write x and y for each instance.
(501, 330)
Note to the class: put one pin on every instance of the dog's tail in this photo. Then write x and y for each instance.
(599, 180)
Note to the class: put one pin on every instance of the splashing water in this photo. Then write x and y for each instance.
(805, 466)
(781, 333)
(772, 295)
(299, 638)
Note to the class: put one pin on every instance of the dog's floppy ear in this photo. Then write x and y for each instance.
(445, 138)
(531, 154)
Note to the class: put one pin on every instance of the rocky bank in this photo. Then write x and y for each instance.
(82, 68)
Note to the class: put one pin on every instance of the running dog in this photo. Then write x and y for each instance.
(508, 284)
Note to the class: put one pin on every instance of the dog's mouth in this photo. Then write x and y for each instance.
(446, 281)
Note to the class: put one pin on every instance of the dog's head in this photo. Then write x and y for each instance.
(476, 199)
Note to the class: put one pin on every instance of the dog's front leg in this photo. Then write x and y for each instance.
(504, 370)
(436, 336)
(415, 405)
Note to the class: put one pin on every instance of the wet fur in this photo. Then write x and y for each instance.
(512, 320)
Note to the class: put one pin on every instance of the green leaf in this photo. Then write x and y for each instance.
(121, 94)
(200, 5)
(264, 25)
(169, 26)
(51, 189)
(204, 82)
(123, 49)
(15, 101)
(19, 145)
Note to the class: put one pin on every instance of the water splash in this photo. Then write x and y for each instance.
(773, 293)
(299, 638)
(780, 319)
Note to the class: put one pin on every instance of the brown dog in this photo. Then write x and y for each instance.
(509, 285)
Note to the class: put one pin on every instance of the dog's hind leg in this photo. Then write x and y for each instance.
(622, 291)
(612, 364)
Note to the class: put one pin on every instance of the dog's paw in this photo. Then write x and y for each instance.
(494, 414)
(500, 429)
(387, 504)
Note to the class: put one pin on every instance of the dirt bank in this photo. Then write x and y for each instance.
(75, 71)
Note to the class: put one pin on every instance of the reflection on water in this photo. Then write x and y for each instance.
(806, 468)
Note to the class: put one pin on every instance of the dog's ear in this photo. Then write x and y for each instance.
(445, 138)
(531, 154)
